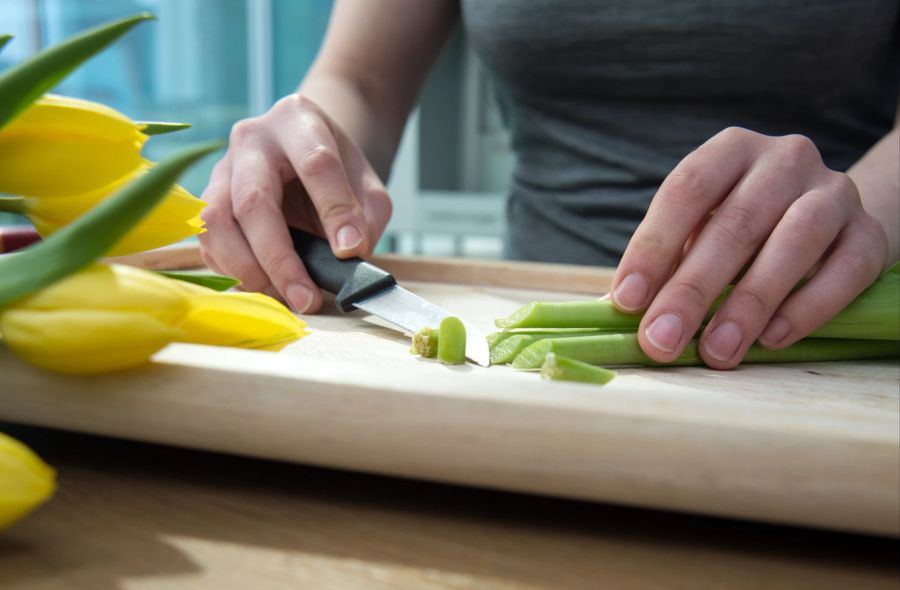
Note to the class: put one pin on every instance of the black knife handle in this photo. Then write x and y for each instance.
(350, 279)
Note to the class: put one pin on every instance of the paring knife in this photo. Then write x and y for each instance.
(358, 284)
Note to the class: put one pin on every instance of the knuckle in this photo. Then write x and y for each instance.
(213, 215)
(753, 301)
(279, 262)
(242, 130)
(306, 104)
(320, 159)
(735, 134)
(249, 202)
(858, 262)
(844, 186)
(335, 209)
(738, 225)
(808, 218)
(795, 150)
(653, 245)
(682, 187)
(693, 290)
(377, 197)
(290, 103)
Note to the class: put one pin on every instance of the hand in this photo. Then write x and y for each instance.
(292, 165)
(747, 201)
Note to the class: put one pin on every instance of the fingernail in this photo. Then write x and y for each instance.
(299, 297)
(348, 237)
(631, 292)
(665, 332)
(777, 330)
(724, 341)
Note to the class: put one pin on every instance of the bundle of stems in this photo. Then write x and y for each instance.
(594, 331)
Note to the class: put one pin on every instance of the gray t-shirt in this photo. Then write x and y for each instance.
(604, 98)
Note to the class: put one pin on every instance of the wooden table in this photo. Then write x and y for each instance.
(139, 516)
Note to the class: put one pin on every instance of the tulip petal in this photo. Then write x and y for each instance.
(175, 218)
(84, 342)
(91, 235)
(25, 480)
(113, 287)
(247, 320)
(63, 146)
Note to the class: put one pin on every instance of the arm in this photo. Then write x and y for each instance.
(318, 159)
(373, 62)
(877, 176)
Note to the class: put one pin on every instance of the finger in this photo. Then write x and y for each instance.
(312, 149)
(808, 228)
(696, 186)
(223, 247)
(853, 265)
(731, 238)
(256, 201)
(367, 186)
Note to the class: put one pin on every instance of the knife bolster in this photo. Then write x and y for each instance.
(366, 280)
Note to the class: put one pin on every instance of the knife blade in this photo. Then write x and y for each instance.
(358, 284)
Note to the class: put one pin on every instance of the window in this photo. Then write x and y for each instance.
(213, 62)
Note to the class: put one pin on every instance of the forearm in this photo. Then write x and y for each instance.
(372, 64)
(877, 176)
(375, 133)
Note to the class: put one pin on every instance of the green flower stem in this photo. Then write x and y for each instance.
(874, 314)
(561, 368)
(94, 233)
(592, 313)
(452, 341)
(12, 205)
(623, 349)
(4, 39)
(160, 127)
(23, 83)
(425, 342)
(504, 350)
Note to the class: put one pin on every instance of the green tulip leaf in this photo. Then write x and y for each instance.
(4, 39)
(160, 127)
(204, 279)
(25, 82)
(94, 233)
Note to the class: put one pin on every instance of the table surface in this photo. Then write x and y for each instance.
(140, 516)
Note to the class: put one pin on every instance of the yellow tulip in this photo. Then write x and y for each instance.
(25, 481)
(110, 317)
(65, 155)
(176, 217)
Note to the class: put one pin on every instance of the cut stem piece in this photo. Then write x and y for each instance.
(504, 350)
(623, 349)
(425, 343)
(452, 341)
(591, 313)
(561, 368)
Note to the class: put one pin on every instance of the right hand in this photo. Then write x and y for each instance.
(291, 166)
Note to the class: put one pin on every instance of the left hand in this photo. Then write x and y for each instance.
(747, 201)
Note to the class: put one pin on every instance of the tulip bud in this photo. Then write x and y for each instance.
(25, 480)
(66, 155)
(110, 317)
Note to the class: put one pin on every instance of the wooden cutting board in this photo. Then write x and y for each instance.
(814, 444)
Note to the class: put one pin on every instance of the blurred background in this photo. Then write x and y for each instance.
(214, 62)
